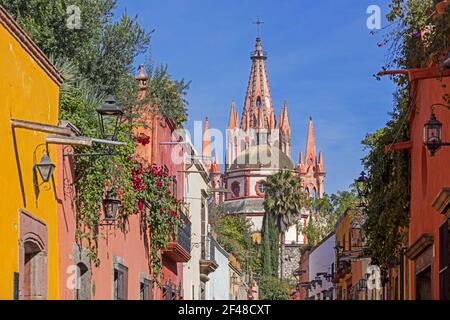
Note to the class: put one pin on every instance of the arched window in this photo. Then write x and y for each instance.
(236, 189)
(260, 188)
(258, 102)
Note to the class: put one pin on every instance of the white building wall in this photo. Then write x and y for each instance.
(291, 235)
(257, 223)
(218, 284)
(194, 184)
(321, 260)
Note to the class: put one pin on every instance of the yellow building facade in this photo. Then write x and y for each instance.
(343, 275)
(29, 105)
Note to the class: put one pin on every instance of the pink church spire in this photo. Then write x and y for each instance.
(258, 92)
(233, 122)
(310, 154)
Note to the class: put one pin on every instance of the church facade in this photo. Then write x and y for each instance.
(259, 145)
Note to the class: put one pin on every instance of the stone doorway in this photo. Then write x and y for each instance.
(83, 289)
(423, 285)
(35, 267)
(33, 258)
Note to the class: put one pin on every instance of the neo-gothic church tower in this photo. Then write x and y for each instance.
(253, 139)
(258, 125)
(259, 134)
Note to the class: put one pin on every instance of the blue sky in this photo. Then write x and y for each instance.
(321, 58)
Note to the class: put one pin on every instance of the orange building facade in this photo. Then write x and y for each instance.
(424, 272)
(428, 249)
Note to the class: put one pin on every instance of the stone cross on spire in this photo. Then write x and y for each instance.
(258, 23)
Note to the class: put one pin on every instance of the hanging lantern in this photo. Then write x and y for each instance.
(109, 115)
(45, 168)
(111, 204)
(432, 134)
(361, 189)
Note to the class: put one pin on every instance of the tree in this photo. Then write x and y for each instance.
(387, 211)
(327, 211)
(283, 202)
(270, 246)
(102, 49)
(272, 288)
(234, 235)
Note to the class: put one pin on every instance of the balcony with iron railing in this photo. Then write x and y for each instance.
(344, 267)
(208, 262)
(179, 248)
(171, 292)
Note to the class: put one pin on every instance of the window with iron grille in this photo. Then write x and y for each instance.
(146, 289)
(444, 262)
(120, 284)
(169, 291)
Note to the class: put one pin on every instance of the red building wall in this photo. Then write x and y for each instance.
(428, 174)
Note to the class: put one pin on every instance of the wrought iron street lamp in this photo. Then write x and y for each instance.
(361, 189)
(45, 167)
(109, 115)
(111, 204)
(432, 132)
(360, 184)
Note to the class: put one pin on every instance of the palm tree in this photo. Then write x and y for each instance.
(284, 200)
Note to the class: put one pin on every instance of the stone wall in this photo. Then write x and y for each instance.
(291, 260)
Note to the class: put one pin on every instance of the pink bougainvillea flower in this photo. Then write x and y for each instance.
(143, 139)
(140, 204)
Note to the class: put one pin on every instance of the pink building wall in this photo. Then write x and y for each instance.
(114, 245)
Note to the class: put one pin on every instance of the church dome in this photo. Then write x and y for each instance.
(263, 156)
